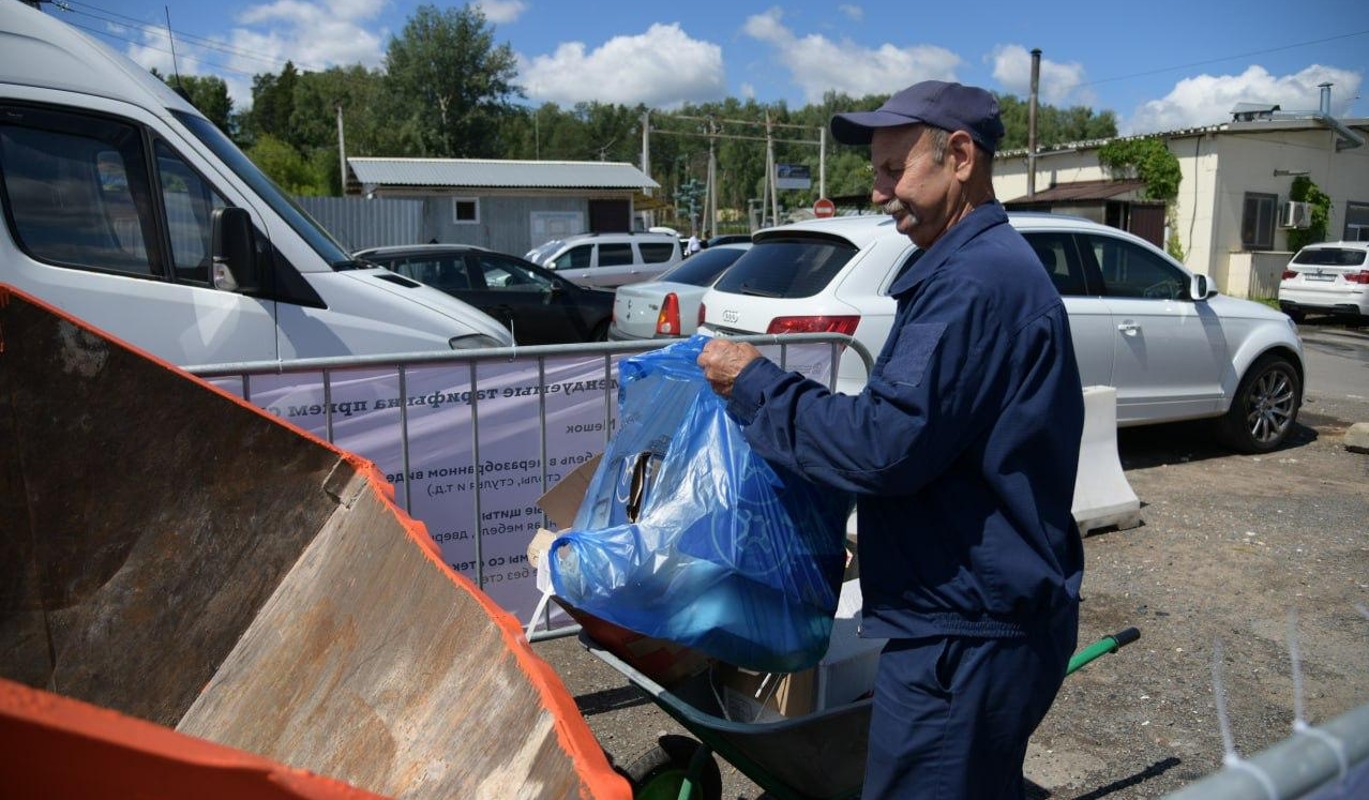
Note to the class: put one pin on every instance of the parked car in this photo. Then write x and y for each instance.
(609, 259)
(1173, 347)
(1327, 278)
(535, 304)
(669, 307)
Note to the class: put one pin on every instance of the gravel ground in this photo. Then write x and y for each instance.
(1230, 547)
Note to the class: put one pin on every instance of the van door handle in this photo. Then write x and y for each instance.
(1129, 328)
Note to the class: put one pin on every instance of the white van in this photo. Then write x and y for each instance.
(127, 208)
(609, 259)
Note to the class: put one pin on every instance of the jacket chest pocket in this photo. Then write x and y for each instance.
(905, 362)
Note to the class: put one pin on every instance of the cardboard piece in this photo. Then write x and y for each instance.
(562, 501)
(749, 696)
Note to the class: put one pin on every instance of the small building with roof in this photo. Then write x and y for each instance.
(509, 206)
(1233, 212)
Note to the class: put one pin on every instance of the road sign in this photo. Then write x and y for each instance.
(824, 207)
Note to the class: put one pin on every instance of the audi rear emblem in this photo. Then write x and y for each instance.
(731, 316)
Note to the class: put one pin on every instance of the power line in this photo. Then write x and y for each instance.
(115, 18)
(1225, 58)
(217, 66)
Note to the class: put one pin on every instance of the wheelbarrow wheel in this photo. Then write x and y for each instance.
(658, 773)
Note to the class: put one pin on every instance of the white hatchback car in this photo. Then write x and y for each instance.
(1174, 348)
(1327, 278)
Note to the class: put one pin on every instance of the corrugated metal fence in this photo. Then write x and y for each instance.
(358, 222)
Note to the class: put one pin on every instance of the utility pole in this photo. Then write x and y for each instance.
(711, 198)
(770, 171)
(1031, 124)
(646, 147)
(822, 162)
(341, 154)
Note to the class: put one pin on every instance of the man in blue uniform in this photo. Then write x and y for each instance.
(962, 450)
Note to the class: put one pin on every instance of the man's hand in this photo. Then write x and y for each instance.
(723, 360)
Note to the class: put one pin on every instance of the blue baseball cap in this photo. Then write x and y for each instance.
(949, 106)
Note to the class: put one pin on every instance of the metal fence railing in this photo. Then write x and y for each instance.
(471, 438)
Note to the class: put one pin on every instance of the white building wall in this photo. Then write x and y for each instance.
(1218, 169)
(1195, 213)
(1071, 166)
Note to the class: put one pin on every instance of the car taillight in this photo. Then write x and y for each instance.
(668, 321)
(1357, 277)
(701, 314)
(822, 324)
(1289, 274)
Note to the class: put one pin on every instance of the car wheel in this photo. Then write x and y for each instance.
(1294, 314)
(1264, 408)
(660, 772)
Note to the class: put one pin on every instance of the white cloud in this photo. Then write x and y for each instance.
(854, 13)
(1059, 84)
(1208, 99)
(502, 11)
(817, 64)
(314, 34)
(661, 68)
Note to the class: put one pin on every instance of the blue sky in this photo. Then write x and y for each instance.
(1158, 65)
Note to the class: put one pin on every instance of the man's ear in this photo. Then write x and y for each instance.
(961, 150)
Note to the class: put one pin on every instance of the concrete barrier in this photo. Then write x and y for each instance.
(177, 556)
(1102, 496)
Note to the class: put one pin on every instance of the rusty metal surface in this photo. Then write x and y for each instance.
(149, 520)
(370, 665)
(177, 556)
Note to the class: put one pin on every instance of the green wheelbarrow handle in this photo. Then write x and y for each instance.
(1107, 644)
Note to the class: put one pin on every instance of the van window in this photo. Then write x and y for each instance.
(189, 203)
(656, 252)
(318, 238)
(613, 255)
(574, 258)
(77, 190)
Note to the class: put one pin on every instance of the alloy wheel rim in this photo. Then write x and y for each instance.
(1270, 407)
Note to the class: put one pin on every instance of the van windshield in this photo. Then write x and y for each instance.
(297, 218)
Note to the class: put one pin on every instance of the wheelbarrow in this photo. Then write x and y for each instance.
(817, 756)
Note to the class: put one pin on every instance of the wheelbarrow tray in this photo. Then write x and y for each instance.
(823, 752)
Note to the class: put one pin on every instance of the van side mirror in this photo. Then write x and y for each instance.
(234, 251)
(1200, 287)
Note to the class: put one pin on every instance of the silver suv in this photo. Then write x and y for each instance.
(609, 259)
(1173, 347)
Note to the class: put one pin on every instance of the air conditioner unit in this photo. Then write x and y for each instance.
(1295, 215)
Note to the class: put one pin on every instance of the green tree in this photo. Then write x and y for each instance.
(455, 82)
(209, 94)
(1150, 160)
(289, 168)
(1305, 191)
(1054, 126)
(273, 103)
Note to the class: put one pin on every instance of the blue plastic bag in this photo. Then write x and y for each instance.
(729, 554)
